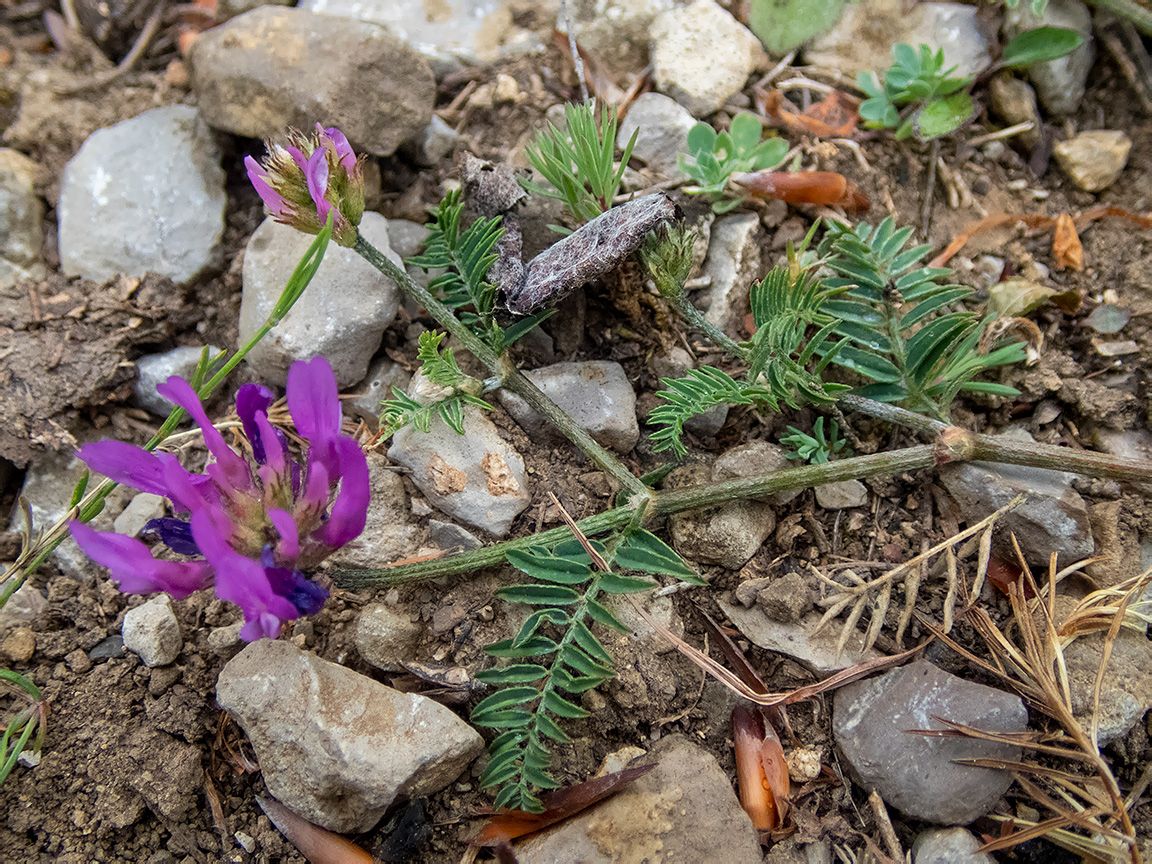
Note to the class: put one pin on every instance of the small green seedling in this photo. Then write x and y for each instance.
(716, 157)
(920, 97)
(816, 449)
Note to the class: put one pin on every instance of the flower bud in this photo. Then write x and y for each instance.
(310, 177)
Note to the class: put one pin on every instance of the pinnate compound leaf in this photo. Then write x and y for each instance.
(561, 707)
(642, 550)
(604, 618)
(538, 595)
(509, 719)
(535, 621)
(519, 673)
(534, 647)
(616, 583)
(510, 697)
(584, 637)
(551, 729)
(541, 564)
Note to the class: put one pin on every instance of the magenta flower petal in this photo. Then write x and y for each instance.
(133, 566)
(125, 464)
(350, 509)
(240, 580)
(340, 146)
(314, 400)
(251, 400)
(232, 466)
(316, 175)
(261, 182)
(289, 547)
(189, 492)
(273, 444)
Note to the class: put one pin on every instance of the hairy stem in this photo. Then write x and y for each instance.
(509, 375)
(660, 504)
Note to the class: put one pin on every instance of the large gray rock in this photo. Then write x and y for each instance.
(1054, 518)
(335, 746)
(449, 33)
(661, 127)
(21, 215)
(143, 196)
(341, 316)
(594, 393)
(390, 533)
(1059, 83)
(651, 818)
(152, 370)
(949, 846)
(862, 40)
(476, 477)
(733, 264)
(272, 68)
(916, 773)
(701, 55)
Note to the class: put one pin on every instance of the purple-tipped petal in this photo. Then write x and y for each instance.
(231, 466)
(289, 546)
(340, 145)
(261, 182)
(350, 509)
(240, 580)
(176, 534)
(125, 464)
(260, 626)
(314, 399)
(253, 400)
(316, 174)
(272, 443)
(305, 595)
(316, 489)
(133, 566)
(298, 157)
(189, 492)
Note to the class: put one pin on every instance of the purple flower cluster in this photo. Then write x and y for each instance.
(308, 178)
(254, 528)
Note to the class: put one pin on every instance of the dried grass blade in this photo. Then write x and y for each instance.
(317, 844)
(879, 612)
(911, 590)
(850, 624)
(950, 595)
(596, 557)
(982, 559)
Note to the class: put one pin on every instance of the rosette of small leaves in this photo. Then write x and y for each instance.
(579, 163)
(792, 334)
(816, 449)
(894, 312)
(937, 101)
(440, 368)
(717, 156)
(556, 651)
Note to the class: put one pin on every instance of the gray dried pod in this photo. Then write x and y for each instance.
(589, 252)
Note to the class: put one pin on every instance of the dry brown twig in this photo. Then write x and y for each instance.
(1033, 664)
(876, 593)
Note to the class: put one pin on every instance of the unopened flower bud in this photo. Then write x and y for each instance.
(310, 177)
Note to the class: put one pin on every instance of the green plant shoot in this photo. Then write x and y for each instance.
(716, 157)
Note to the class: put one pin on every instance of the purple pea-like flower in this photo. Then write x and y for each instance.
(301, 182)
(253, 528)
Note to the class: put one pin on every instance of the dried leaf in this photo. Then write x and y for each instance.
(558, 806)
(1108, 318)
(1066, 249)
(317, 844)
(835, 116)
(826, 188)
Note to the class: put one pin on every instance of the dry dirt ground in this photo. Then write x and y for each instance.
(126, 743)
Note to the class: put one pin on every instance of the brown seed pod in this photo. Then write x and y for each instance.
(589, 252)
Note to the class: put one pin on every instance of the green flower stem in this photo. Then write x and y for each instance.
(93, 502)
(660, 504)
(695, 318)
(509, 375)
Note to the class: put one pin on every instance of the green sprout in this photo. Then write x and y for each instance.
(816, 449)
(715, 157)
